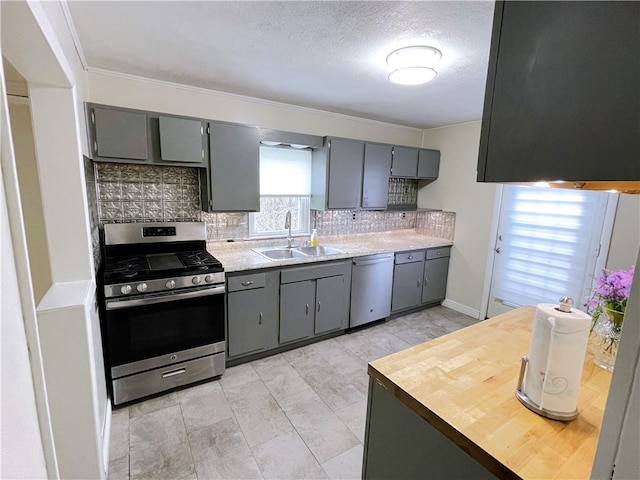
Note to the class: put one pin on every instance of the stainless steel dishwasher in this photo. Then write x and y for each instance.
(371, 282)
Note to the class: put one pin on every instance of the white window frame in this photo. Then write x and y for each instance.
(304, 221)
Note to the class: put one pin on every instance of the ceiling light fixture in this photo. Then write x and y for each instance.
(413, 65)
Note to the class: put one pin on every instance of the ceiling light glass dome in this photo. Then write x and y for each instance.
(413, 65)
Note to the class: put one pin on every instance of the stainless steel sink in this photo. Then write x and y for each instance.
(279, 253)
(283, 253)
(319, 250)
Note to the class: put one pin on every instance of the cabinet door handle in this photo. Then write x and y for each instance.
(260, 319)
(318, 307)
(247, 283)
(419, 283)
(306, 310)
(410, 257)
(426, 280)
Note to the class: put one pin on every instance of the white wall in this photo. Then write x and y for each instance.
(144, 94)
(626, 233)
(30, 195)
(456, 190)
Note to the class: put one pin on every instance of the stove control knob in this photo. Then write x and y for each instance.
(170, 284)
(125, 289)
(195, 280)
(208, 278)
(142, 287)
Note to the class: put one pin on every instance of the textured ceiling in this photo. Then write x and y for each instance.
(328, 55)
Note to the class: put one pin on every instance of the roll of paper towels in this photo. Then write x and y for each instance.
(556, 356)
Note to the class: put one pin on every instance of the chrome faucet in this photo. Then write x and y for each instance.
(287, 224)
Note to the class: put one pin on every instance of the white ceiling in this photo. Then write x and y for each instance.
(328, 55)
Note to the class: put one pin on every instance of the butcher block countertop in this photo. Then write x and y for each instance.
(463, 384)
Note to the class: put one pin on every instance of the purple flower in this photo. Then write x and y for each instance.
(611, 291)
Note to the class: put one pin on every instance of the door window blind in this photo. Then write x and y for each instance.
(548, 242)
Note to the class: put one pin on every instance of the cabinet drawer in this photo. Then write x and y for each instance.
(438, 252)
(408, 257)
(246, 282)
(313, 272)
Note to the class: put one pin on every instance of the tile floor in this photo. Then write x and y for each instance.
(295, 415)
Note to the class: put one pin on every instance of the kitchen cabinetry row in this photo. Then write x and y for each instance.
(277, 308)
(346, 173)
(352, 174)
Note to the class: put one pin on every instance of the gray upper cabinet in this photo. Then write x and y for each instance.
(562, 103)
(411, 162)
(336, 174)
(232, 181)
(375, 178)
(182, 140)
(118, 134)
(428, 163)
(405, 162)
(136, 136)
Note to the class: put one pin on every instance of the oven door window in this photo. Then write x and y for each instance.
(146, 331)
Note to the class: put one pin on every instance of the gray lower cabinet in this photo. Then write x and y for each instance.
(252, 313)
(436, 270)
(232, 182)
(407, 280)
(314, 300)
(399, 444)
(420, 278)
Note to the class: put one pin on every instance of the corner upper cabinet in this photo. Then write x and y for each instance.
(562, 103)
(118, 134)
(420, 163)
(336, 174)
(182, 140)
(232, 180)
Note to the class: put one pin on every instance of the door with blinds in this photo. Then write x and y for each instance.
(547, 246)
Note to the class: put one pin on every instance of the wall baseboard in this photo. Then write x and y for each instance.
(458, 307)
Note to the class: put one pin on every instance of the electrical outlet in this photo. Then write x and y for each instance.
(403, 215)
(353, 216)
(406, 190)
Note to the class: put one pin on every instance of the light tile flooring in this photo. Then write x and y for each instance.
(295, 415)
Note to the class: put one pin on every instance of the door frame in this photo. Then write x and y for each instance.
(601, 260)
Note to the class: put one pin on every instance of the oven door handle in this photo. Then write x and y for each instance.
(135, 302)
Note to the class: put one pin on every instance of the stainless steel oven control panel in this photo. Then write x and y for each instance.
(163, 284)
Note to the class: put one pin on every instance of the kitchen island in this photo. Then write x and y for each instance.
(447, 409)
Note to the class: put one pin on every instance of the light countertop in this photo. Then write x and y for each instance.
(239, 256)
(464, 384)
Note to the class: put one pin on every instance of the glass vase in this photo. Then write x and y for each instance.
(605, 338)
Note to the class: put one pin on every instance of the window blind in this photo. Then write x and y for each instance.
(548, 241)
(285, 171)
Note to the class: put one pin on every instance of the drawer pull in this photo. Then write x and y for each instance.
(173, 373)
(247, 283)
(410, 257)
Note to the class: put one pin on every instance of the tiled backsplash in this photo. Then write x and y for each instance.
(146, 193)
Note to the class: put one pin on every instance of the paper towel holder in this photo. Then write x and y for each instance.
(531, 405)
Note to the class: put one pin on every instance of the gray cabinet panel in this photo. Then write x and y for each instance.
(428, 163)
(246, 321)
(405, 162)
(181, 139)
(399, 444)
(575, 120)
(297, 308)
(120, 134)
(435, 279)
(407, 285)
(375, 179)
(329, 304)
(234, 168)
(345, 173)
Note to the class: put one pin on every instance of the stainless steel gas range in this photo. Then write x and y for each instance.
(162, 308)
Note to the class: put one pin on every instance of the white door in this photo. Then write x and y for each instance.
(547, 246)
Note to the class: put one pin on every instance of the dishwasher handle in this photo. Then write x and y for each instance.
(372, 261)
